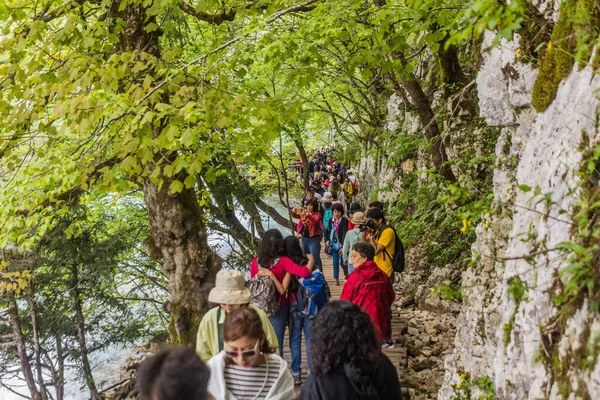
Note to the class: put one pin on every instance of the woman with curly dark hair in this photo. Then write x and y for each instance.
(347, 362)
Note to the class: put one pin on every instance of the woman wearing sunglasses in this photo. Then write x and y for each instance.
(247, 369)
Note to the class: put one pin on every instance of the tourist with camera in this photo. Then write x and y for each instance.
(310, 230)
(383, 241)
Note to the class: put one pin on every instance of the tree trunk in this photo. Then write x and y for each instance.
(223, 210)
(59, 381)
(437, 150)
(246, 195)
(178, 229)
(19, 341)
(259, 203)
(36, 341)
(176, 220)
(275, 215)
(305, 172)
(80, 323)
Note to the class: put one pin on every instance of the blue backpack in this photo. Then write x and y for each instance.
(327, 215)
(312, 295)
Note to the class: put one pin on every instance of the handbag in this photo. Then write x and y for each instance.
(328, 250)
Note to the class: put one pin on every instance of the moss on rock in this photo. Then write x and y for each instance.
(571, 40)
(183, 325)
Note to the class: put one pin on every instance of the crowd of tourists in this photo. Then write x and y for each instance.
(240, 342)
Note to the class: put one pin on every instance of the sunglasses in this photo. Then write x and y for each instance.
(246, 354)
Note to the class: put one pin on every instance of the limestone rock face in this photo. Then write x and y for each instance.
(499, 338)
(504, 85)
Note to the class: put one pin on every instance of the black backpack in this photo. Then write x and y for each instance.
(398, 259)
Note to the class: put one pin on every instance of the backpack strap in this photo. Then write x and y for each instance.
(219, 330)
(383, 228)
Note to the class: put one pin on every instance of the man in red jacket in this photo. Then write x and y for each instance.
(370, 288)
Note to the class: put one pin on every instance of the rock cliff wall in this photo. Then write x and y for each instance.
(518, 335)
(510, 330)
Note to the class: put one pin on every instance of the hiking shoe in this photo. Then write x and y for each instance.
(297, 380)
(387, 344)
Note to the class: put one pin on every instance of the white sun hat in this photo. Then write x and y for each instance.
(230, 288)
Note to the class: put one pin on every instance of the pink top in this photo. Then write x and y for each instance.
(283, 265)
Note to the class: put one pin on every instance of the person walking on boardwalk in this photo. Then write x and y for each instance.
(300, 322)
(247, 369)
(352, 237)
(347, 361)
(383, 241)
(271, 261)
(310, 230)
(334, 234)
(230, 293)
(370, 288)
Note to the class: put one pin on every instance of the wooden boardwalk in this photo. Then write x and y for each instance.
(398, 355)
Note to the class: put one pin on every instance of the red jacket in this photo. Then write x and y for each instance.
(314, 223)
(370, 288)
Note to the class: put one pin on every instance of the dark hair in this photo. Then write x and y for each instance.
(314, 203)
(365, 250)
(245, 322)
(376, 204)
(339, 207)
(173, 374)
(342, 334)
(375, 213)
(271, 247)
(294, 251)
(335, 187)
(355, 206)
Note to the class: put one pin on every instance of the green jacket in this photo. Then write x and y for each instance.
(352, 237)
(207, 341)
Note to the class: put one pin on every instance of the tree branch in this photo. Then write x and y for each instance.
(60, 11)
(216, 19)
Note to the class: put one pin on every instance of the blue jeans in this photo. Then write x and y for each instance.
(337, 260)
(300, 322)
(312, 246)
(350, 268)
(279, 321)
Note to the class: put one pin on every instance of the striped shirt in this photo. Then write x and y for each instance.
(245, 383)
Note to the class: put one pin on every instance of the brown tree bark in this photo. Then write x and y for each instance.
(246, 195)
(305, 172)
(179, 232)
(59, 381)
(176, 220)
(274, 214)
(437, 149)
(80, 324)
(19, 341)
(431, 130)
(36, 341)
(249, 192)
(452, 75)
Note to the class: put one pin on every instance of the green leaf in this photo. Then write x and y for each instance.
(176, 187)
(190, 181)
(151, 27)
(524, 188)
